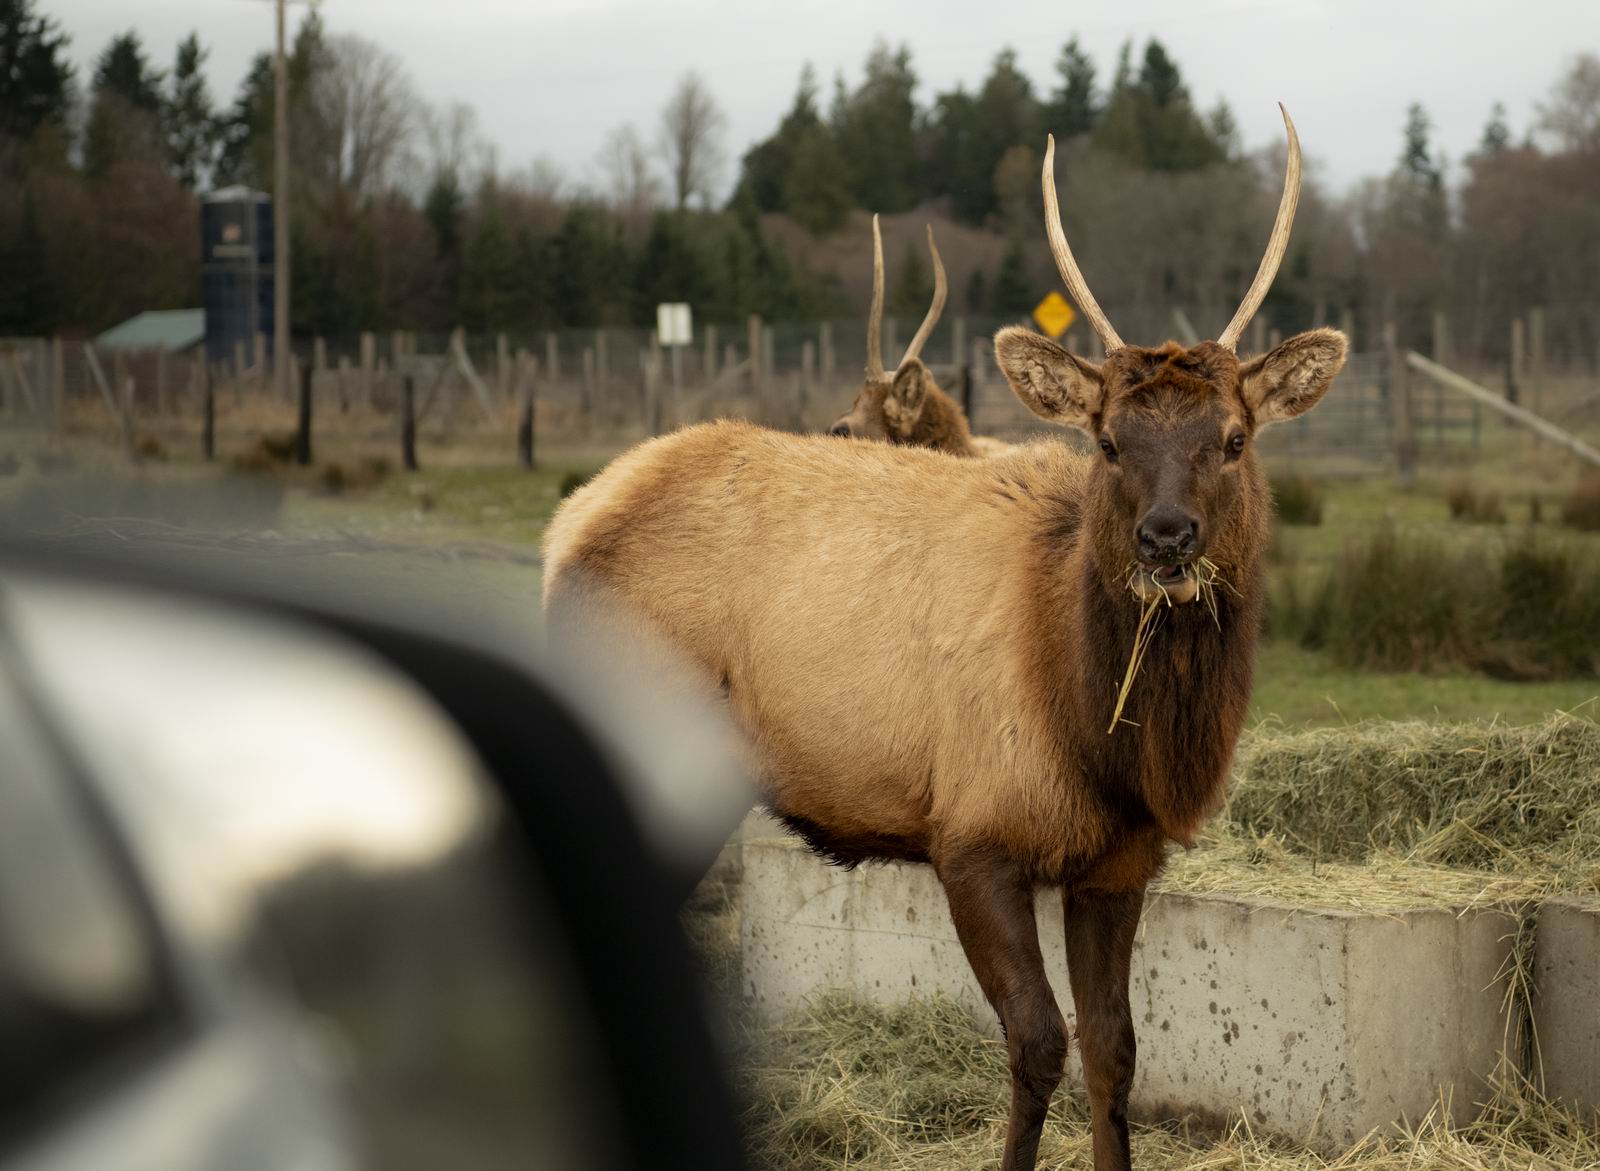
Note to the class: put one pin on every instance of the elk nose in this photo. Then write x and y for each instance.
(840, 429)
(1168, 534)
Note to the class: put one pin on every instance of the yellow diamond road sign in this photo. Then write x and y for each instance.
(1054, 314)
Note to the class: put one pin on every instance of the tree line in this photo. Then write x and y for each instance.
(404, 217)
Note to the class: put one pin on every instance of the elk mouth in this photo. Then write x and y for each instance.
(1176, 584)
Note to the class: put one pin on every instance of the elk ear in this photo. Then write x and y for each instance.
(902, 406)
(1292, 379)
(1051, 382)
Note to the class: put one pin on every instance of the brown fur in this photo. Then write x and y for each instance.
(910, 409)
(924, 651)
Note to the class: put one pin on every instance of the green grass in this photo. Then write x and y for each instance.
(1302, 688)
(504, 505)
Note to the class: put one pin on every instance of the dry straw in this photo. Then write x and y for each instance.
(1372, 817)
(920, 1087)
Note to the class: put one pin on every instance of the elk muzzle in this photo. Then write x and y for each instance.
(1169, 540)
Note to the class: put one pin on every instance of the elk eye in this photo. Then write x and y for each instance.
(1110, 449)
(1235, 445)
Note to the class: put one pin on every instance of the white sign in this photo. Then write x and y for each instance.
(674, 325)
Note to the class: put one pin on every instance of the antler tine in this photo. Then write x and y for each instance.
(940, 290)
(1277, 244)
(875, 315)
(1076, 285)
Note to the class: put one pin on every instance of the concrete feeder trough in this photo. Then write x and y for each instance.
(1319, 1024)
(1566, 1001)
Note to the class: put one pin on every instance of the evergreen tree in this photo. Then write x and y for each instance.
(1151, 121)
(492, 280)
(28, 296)
(816, 191)
(191, 126)
(245, 154)
(126, 107)
(1072, 109)
(875, 130)
(1496, 138)
(589, 266)
(913, 286)
(950, 137)
(977, 293)
(1014, 294)
(1224, 129)
(1418, 190)
(767, 166)
(35, 75)
(1416, 158)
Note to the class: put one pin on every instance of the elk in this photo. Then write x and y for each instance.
(906, 406)
(923, 652)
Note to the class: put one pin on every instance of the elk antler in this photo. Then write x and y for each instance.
(875, 317)
(940, 290)
(1076, 285)
(1277, 244)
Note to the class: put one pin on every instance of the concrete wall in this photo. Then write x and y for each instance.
(1320, 1024)
(1566, 1005)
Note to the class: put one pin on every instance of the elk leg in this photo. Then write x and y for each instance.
(1100, 927)
(991, 902)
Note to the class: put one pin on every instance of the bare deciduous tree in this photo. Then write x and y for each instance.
(367, 116)
(691, 140)
(1572, 115)
(454, 143)
(628, 179)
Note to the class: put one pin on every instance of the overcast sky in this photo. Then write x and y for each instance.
(550, 77)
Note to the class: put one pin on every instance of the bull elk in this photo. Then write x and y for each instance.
(924, 652)
(906, 406)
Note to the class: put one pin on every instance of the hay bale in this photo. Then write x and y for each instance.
(1492, 797)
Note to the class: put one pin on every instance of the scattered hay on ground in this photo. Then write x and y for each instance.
(842, 1084)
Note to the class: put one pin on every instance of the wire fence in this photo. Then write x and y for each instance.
(615, 385)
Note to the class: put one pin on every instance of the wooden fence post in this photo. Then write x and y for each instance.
(753, 336)
(117, 408)
(652, 388)
(1536, 355)
(528, 391)
(1347, 325)
(552, 357)
(408, 422)
(58, 384)
(163, 403)
(208, 412)
(588, 386)
(302, 431)
(369, 362)
(1514, 363)
(808, 365)
(1398, 373)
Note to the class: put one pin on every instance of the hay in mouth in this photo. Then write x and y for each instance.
(1206, 575)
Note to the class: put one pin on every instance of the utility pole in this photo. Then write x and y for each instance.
(280, 216)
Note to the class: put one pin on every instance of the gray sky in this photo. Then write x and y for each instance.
(550, 77)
